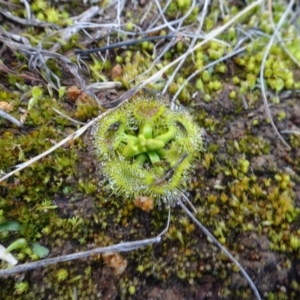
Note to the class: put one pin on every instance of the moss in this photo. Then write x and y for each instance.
(62, 274)
(21, 287)
(254, 145)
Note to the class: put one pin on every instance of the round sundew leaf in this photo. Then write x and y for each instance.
(10, 226)
(40, 250)
(146, 149)
(147, 109)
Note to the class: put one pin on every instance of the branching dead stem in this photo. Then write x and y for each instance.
(209, 37)
(67, 33)
(27, 22)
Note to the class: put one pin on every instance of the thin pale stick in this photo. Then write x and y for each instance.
(222, 248)
(178, 21)
(204, 68)
(211, 35)
(35, 23)
(262, 70)
(27, 8)
(120, 101)
(121, 247)
(171, 79)
(291, 131)
(67, 117)
(287, 51)
(10, 118)
(69, 32)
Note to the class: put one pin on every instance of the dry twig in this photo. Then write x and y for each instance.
(222, 248)
(262, 70)
(28, 22)
(121, 247)
(10, 118)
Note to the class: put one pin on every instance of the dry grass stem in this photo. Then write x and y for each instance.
(27, 22)
(210, 36)
(10, 118)
(263, 89)
(222, 248)
(121, 247)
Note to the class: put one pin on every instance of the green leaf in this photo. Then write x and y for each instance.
(17, 244)
(10, 226)
(31, 103)
(36, 92)
(40, 250)
(199, 85)
(61, 91)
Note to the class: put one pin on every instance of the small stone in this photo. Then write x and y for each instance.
(5, 106)
(116, 71)
(144, 203)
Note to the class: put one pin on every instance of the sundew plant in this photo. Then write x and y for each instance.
(144, 148)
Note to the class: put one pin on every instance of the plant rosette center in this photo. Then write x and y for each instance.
(145, 148)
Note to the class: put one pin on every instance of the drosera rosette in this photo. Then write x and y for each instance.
(145, 148)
